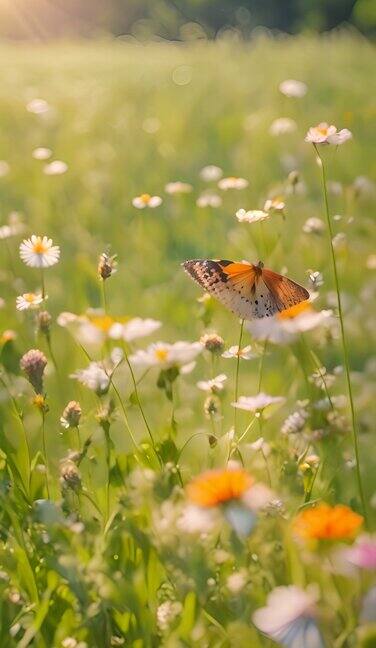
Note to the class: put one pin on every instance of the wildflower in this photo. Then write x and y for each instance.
(233, 183)
(293, 88)
(289, 617)
(214, 385)
(40, 403)
(282, 328)
(178, 188)
(71, 415)
(133, 329)
(295, 422)
(28, 301)
(235, 352)
(325, 134)
(313, 225)
(216, 487)
(105, 413)
(167, 613)
(56, 167)
(282, 126)
(211, 173)
(165, 356)
(209, 199)
(212, 407)
(257, 403)
(212, 342)
(41, 153)
(236, 582)
(146, 200)
(44, 320)
(106, 265)
(362, 554)
(322, 379)
(251, 216)
(94, 377)
(197, 520)
(4, 168)
(33, 363)
(12, 228)
(274, 204)
(69, 475)
(37, 106)
(39, 252)
(324, 522)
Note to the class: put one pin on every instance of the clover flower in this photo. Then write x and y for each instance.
(33, 363)
(39, 252)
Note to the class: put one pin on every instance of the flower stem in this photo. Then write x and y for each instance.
(343, 336)
(45, 453)
(236, 390)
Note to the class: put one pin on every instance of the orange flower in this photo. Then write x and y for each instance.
(216, 487)
(324, 522)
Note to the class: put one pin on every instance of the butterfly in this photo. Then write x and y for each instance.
(250, 291)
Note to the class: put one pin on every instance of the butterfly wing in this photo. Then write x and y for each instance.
(286, 293)
(236, 285)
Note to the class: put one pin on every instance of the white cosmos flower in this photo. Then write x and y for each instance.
(251, 216)
(289, 617)
(293, 88)
(209, 199)
(165, 356)
(282, 126)
(283, 327)
(4, 168)
(146, 200)
(233, 183)
(244, 354)
(41, 153)
(214, 385)
(274, 204)
(39, 252)
(37, 106)
(178, 187)
(325, 134)
(211, 173)
(257, 403)
(56, 167)
(29, 301)
(133, 329)
(94, 377)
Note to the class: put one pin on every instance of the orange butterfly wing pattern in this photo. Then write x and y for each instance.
(243, 288)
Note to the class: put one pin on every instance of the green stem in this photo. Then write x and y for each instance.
(45, 453)
(236, 390)
(104, 296)
(20, 418)
(343, 337)
(43, 284)
(108, 464)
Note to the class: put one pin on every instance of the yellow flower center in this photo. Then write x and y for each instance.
(161, 354)
(39, 247)
(323, 130)
(29, 297)
(101, 322)
(294, 311)
(145, 198)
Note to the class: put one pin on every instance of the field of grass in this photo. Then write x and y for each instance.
(102, 547)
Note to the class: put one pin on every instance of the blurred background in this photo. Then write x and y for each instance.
(179, 19)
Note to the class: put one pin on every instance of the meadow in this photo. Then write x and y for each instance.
(109, 536)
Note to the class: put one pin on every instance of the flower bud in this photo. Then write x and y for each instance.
(69, 475)
(33, 363)
(71, 415)
(213, 343)
(106, 265)
(44, 320)
(212, 406)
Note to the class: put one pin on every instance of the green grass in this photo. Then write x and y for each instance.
(100, 96)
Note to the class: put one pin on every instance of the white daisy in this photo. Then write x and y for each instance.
(283, 327)
(325, 134)
(41, 153)
(209, 199)
(274, 204)
(233, 183)
(56, 167)
(244, 354)
(28, 301)
(211, 173)
(133, 329)
(251, 216)
(293, 88)
(39, 252)
(178, 187)
(257, 403)
(282, 126)
(37, 106)
(146, 200)
(289, 617)
(165, 356)
(213, 385)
